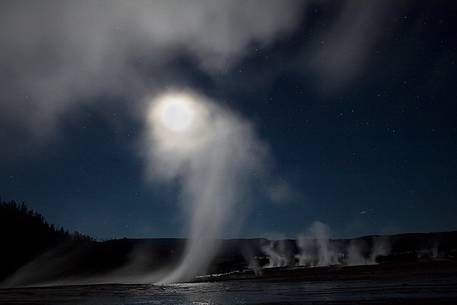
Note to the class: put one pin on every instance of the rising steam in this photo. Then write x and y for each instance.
(316, 249)
(213, 154)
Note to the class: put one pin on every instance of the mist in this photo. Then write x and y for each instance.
(315, 248)
(278, 253)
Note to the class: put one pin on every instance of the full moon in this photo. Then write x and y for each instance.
(175, 112)
(181, 122)
(177, 116)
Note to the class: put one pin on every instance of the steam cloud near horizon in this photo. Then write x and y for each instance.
(316, 249)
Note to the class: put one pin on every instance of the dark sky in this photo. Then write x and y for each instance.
(358, 107)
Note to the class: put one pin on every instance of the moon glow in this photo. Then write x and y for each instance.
(180, 122)
(176, 113)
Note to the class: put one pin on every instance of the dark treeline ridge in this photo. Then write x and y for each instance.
(25, 234)
(35, 252)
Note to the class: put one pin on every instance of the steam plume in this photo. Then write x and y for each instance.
(213, 159)
(326, 254)
(278, 254)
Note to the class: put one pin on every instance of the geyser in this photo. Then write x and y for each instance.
(213, 154)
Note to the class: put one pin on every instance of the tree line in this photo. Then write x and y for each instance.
(25, 234)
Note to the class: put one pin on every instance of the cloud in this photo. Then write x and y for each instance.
(281, 192)
(341, 52)
(56, 55)
(59, 55)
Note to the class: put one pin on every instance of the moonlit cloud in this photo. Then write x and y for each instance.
(57, 55)
(341, 52)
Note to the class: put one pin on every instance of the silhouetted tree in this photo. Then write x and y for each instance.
(24, 235)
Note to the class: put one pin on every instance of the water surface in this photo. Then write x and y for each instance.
(421, 291)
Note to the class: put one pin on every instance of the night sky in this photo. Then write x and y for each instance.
(357, 103)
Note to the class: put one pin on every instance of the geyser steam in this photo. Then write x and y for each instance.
(214, 154)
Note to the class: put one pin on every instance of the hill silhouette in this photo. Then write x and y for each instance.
(25, 235)
(34, 252)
